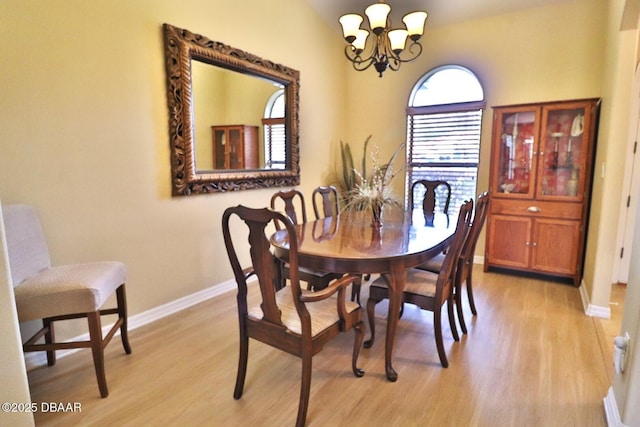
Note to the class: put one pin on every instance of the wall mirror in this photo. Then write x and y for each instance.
(233, 117)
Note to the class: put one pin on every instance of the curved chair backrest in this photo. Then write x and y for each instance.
(290, 198)
(330, 205)
(262, 261)
(479, 217)
(283, 318)
(433, 191)
(446, 277)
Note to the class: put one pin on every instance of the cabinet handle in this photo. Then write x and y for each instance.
(534, 209)
(535, 244)
(526, 243)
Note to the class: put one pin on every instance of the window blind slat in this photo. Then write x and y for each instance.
(444, 146)
(275, 147)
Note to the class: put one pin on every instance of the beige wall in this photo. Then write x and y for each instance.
(84, 134)
(626, 387)
(613, 144)
(84, 128)
(86, 138)
(549, 53)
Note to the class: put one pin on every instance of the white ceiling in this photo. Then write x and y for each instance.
(441, 12)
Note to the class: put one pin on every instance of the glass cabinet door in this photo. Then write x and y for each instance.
(235, 148)
(219, 148)
(516, 163)
(561, 158)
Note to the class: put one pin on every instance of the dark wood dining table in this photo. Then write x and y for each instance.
(348, 243)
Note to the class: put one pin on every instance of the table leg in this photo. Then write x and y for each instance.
(397, 276)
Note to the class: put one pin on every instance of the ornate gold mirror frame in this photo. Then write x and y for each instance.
(181, 48)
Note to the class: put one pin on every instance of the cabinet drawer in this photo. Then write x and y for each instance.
(535, 208)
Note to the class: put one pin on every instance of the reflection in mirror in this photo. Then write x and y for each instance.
(233, 117)
(228, 119)
(274, 132)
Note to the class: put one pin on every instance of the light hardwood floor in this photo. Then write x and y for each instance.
(531, 358)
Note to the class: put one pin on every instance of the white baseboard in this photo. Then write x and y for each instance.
(590, 309)
(611, 410)
(39, 358)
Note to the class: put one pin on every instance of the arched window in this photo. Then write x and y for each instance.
(274, 132)
(444, 119)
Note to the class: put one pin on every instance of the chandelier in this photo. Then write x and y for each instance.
(387, 46)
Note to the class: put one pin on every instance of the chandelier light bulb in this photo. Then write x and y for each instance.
(398, 38)
(350, 26)
(360, 41)
(415, 24)
(377, 14)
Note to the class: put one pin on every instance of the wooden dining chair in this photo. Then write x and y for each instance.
(292, 203)
(293, 320)
(64, 292)
(428, 290)
(326, 204)
(325, 198)
(436, 194)
(465, 267)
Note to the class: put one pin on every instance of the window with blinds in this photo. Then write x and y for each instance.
(444, 146)
(444, 120)
(275, 147)
(273, 123)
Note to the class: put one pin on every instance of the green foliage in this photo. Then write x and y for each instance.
(349, 175)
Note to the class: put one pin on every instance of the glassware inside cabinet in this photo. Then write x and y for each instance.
(516, 152)
(561, 152)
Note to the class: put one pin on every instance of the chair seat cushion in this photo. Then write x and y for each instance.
(323, 313)
(419, 282)
(303, 271)
(434, 264)
(68, 289)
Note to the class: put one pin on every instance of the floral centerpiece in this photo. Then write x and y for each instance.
(373, 193)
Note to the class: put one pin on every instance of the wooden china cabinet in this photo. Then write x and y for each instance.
(541, 172)
(235, 147)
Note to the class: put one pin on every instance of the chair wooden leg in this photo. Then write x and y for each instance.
(305, 385)
(242, 363)
(97, 348)
(49, 338)
(452, 318)
(458, 302)
(359, 332)
(470, 293)
(437, 328)
(371, 308)
(355, 289)
(122, 314)
(280, 273)
(458, 294)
